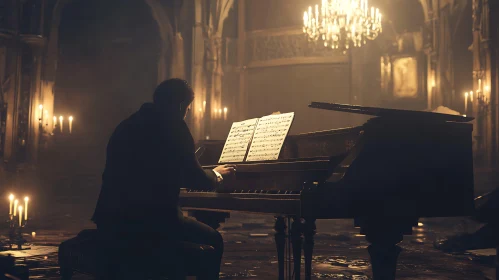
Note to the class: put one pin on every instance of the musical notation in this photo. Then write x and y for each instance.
(269, 137)
(237, 142)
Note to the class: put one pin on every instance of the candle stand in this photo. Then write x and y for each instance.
(16, 233)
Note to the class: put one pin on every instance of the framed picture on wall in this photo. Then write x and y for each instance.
(405, 77)
(403, 81)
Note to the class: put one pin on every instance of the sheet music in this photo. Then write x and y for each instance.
(269, 137)
(237, 142)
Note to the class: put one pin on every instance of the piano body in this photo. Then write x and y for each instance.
(397, 167)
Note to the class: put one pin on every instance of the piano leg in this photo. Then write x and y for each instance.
(309, 230)
(497, 262)
(384, 235)
(296, 239)
(384, 253)
(280, 241)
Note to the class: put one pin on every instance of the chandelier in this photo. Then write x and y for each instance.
(342, 23)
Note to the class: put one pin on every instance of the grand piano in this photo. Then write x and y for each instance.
(386, 174)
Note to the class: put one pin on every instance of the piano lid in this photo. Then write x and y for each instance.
(389, 113)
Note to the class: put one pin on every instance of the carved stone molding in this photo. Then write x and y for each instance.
(285, 47)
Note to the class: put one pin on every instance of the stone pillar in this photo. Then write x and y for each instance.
(241, 59)
(199, 106)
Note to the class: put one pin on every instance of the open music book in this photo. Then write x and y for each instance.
(264, 137)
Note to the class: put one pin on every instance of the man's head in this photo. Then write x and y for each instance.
(174, 96)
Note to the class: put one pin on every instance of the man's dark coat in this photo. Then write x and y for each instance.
(149, 158)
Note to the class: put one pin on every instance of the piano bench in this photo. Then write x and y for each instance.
(81, 254)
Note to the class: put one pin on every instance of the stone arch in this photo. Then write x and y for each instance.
(426, 9)
(158, 12)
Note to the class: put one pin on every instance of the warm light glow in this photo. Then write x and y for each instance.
(20, 215)
(225, 110)
(40, 107)
(464, 116)
(420, 224)
(15, 207)
(487, 88)
(471, 96)
(70, 124)
(26, 199)
(60, 122)
(339, 23)
(33, 234)
(466, 94)
(11, 199)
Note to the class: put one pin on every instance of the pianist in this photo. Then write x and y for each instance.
(150, 156)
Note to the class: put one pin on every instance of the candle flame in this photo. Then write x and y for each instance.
(61, 118)
(487, 88)
(70, 118)
(26, 199)
(20, 208)
(40, 106)
(466, 94)
(225, 110)
(11, 197)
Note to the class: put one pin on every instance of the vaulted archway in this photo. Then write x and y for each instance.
(103, 60)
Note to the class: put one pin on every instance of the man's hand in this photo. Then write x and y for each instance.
(226, 170)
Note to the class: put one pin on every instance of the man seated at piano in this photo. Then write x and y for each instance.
(150, 156)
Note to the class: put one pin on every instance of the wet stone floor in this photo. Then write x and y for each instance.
(340, 252)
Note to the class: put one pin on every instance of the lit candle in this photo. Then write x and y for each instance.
(11, 200)
(26, 199)
(204, 106)
(465, 102)
(372, 13)
(41, 112)
(225, 113)
(54, 122)
(33, 234)
(487, 88)
(70, 124)
(479, 84)
(60, 122)
(20, 215)
(15, 207)
(471, 96)
(219, 113)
